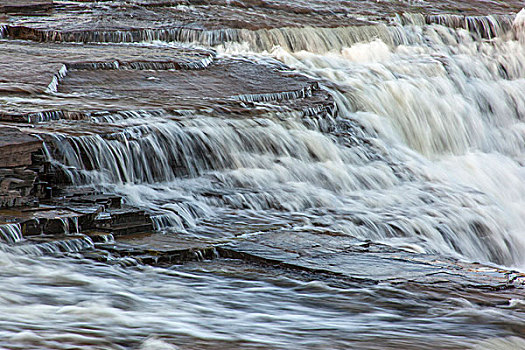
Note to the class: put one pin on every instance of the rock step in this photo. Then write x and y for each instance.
(170, 257)
(122, 216)
(216, 21)
(100, 237)
(16, 147)
(143, 78)
(25, 6)
(127, 229)
(55, 221)
(371, 263)
(51, 245)
(124, 222)
(19, 167)
(107, 200)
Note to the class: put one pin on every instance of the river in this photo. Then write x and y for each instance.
(420, 160)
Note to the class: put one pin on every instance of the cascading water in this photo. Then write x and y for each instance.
(11, 233)
(436, 163)
(422, 153)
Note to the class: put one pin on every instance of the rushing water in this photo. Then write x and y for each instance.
(424, 152)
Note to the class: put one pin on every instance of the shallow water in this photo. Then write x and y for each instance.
(228, 304)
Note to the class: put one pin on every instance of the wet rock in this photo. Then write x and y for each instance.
(158, 249)
(184, 89)
(25, 6)
(46, 220)
(124, 221)
(340, 257)
(107, 200)
(38, 69)
(91, 79)
(18, 170)
(336, 259)
(120, 21)
(435, 275)
(124, 21)
(16, 147)
(53, 245)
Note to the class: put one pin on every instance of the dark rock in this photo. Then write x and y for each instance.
(25, 6)
(158, 249)
(16, 163)
(105, 78)
(16, 147)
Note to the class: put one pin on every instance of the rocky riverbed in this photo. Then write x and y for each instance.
(141, 133)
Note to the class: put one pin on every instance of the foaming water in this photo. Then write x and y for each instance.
(424, 152)
(200, 167)
(11, 233)
(452, 97)
(433, 116)
(82, 304)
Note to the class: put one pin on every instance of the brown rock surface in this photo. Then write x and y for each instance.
(177, 89)
(17, 169)
(91, 78)
(16, 147)
(31, 67)
(25, 6)
(247, 14)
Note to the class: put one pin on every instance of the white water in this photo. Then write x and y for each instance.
(11, 233)
(428, 156)
(435, 159)
(454, 99)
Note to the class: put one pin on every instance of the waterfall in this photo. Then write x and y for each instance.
(289, 188)
(11, 233)
(424, 150)
(293, 39)
(483, 26)
(290, 38)
(72, 245)
(61, 74)
(3, 31)
(195, 168)
(450, 95)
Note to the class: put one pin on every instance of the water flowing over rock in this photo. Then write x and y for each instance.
(262, 174)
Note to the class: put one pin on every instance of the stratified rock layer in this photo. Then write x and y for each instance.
(25, 6)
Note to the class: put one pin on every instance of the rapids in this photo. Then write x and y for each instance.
(424, 152)
(425, 149)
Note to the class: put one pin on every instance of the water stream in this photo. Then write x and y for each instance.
(425, 148)
(424, 152)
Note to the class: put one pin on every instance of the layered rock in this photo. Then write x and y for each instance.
(55, 89)
(18, 167)
(25, 6)
(92, 78)
(267, 22)
(92, 85)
